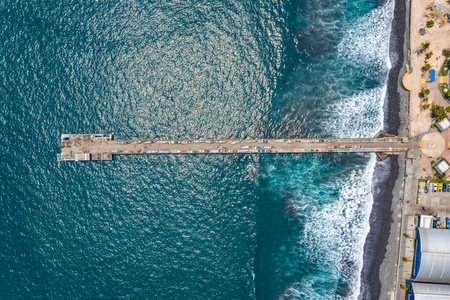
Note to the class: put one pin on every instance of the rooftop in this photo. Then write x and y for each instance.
(442, 166)
(443, 125)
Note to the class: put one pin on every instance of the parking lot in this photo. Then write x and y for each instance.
(433, 203)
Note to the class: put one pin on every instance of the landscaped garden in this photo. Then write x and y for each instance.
(445, 67)
(445, 91)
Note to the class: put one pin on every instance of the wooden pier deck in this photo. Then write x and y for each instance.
(87, 147)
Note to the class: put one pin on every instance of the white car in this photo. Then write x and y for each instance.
(434, 187)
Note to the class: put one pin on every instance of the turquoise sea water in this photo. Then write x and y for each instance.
(187, 227)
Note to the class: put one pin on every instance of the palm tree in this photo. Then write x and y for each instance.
(439, 112)
(425, 45)
(430, 54)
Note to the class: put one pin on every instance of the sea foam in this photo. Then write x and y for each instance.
(335, 233)
(334, 236)
(365, 47)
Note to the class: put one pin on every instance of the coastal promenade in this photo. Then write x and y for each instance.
(87, 147)
(427, 46)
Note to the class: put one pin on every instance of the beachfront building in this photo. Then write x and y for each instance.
(426, 221)
(432, 256)
(443, 125)
(442, 166)
(429, 291)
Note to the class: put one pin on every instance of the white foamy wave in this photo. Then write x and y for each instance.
(366, 42)
(358, 116)
(365, 47)
(334, 238)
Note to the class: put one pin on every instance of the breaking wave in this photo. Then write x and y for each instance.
(365, 47)
(334, 238)
(335, 232)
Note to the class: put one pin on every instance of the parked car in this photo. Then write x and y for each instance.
(434, 187)
(444, 187)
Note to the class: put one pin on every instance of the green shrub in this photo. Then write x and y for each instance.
(430, 23)
(447, 109)
(439, 113)
(445, 90)
(439, 177)
(426, 91)
(445, 67)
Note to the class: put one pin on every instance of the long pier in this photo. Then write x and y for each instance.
(90, 147)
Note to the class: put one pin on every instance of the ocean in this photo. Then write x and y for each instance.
(263, 226)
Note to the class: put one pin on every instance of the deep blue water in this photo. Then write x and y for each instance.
(187, 227)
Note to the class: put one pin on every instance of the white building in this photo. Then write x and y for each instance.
(443, 125)
(430, 291)
(426, 221)
(432, 256)
(442, 166)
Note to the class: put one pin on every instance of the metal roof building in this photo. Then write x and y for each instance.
(432, 256)
(442, 166)
(443, 125)
(430, 291)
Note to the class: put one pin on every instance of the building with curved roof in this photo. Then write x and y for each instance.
(432, 256)
(430, 291)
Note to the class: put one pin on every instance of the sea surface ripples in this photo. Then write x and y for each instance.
(187, 227)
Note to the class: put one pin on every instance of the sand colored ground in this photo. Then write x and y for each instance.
(426, 159)
(433, 144)
(439, 37)
(419, 124)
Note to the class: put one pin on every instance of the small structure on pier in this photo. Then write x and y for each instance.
(75, 147)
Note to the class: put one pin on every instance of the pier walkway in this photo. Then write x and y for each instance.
(87, 147)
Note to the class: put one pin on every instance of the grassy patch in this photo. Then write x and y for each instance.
(434, 181)
(445, 90)
(445, 68)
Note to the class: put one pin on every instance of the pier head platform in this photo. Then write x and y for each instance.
(101, 147)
